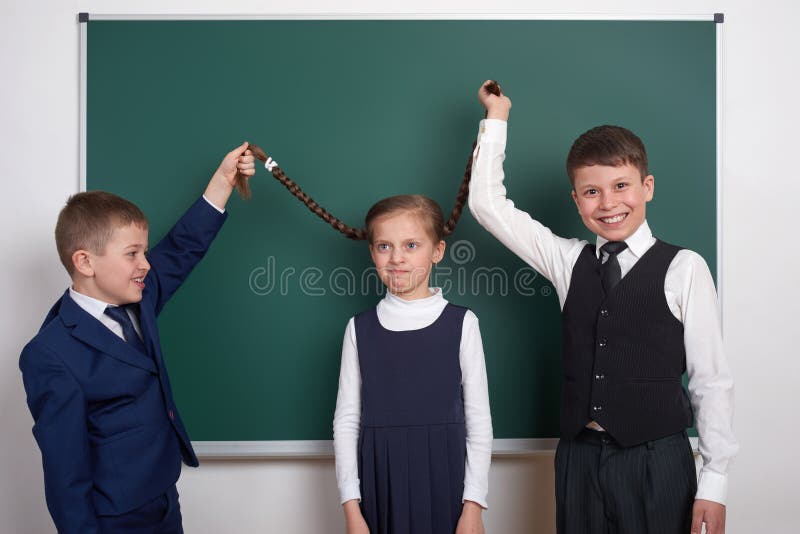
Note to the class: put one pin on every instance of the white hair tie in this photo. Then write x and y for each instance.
(270, 164)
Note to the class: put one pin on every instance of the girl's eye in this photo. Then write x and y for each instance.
(383, 246)
(413, 245)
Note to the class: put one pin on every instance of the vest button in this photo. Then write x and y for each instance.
(604, 313)
(603, 342)
(599, 377)
(597, 408)
(171, 415)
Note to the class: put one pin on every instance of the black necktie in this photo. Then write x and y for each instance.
(120, 314)
(610, 272)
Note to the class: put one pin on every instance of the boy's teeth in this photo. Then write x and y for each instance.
(615, 219)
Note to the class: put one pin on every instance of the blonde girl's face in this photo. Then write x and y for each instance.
(404, 252)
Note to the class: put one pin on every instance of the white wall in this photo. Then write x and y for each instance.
(39, 165)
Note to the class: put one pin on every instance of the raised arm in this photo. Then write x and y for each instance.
(534, 243)
(174, 257)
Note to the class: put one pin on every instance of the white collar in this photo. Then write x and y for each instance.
(92, 306)
(433, 300)
(638, 242)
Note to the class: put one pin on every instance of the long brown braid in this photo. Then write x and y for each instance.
(322, 213)
(243, 187)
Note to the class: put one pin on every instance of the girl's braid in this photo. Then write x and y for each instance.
(359, 233)
(322, 213)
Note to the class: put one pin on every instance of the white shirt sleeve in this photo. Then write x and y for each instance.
(551, 255)
(221, 210)
(475, 388)
(347, 418)
(710, 379)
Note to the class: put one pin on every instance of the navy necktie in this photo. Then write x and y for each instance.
(610, 272)
(120, 314)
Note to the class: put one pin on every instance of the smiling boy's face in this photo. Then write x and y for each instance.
(118, 273)
(612, 200)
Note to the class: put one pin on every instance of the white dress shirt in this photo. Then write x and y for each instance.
(397, 314)
(689, 289)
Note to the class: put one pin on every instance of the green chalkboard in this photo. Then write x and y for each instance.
(354, 111)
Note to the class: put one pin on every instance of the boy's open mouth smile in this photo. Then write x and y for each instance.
(139, 282)
(614, 219)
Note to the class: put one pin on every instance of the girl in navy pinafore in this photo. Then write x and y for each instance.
(412, 447)
(412, 382)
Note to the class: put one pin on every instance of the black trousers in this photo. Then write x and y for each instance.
(603, 488)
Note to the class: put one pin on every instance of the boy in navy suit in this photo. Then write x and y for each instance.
(637, 313)
(105, 420)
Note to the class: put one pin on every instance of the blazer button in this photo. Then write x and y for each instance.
(603, 342)
(599, 376)
(604, 313)
(171, 415)
(597, 408)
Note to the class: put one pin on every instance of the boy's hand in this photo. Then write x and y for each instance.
(470, 521)
(239, 160)
(711, 513)
(354, 519)
(497, 107)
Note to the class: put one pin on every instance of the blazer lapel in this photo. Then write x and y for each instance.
(94, 333)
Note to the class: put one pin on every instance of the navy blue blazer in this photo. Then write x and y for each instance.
(104, 417)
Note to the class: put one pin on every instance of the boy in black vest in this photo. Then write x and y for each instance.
(637, 313)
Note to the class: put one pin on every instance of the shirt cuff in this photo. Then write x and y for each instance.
(712, 487)
(350, 491)
(213, 205)
(493, 131)
(475, 495)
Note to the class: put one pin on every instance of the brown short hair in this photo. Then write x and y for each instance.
(87, 221)
(427, 209)
(607, 145)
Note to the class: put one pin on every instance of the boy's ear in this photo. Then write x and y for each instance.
(649, 184)
(575, 199)
(82, 262)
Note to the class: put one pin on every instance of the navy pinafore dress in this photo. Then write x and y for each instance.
(412, 444)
